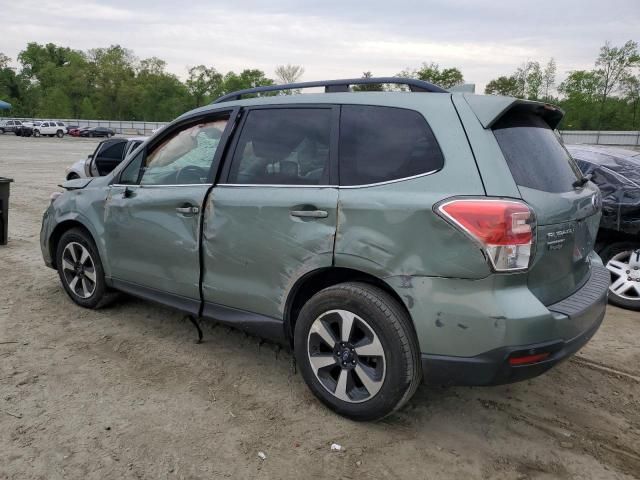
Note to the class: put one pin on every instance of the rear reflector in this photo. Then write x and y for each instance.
(504, 229)
(527, 359)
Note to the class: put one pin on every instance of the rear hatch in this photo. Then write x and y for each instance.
(566, 208)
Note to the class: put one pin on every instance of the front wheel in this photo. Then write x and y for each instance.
(36, 133)
(59, 134)
(80, 268)
(357, 351)
(622, 259)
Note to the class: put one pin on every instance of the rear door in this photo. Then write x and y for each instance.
(567, 209)
(272, 218)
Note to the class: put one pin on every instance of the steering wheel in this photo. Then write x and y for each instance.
(191, 174)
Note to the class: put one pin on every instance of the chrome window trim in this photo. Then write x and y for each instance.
(160, 186)
(275, 185)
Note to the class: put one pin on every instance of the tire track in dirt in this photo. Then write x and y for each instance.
(608, 370)
(619, 455)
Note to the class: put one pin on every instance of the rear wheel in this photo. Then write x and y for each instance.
(36, 133)
(80, 268)
(622, 259)
(357, 351)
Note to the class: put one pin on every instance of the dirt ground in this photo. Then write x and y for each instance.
(125, 392)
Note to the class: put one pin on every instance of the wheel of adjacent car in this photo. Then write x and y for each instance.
(357, 350)
(622, 259)
(80, 268)
(36, 133)
(59, 134)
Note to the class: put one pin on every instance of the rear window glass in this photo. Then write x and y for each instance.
(535, 156)
(379, 144)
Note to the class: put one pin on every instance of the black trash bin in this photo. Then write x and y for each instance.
(4, 209)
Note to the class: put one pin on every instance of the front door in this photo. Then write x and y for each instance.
(272, 218)
(153, 211)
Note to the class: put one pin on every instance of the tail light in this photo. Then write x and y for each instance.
(505, 229)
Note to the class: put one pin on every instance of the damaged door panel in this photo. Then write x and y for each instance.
(388, 228)
(255, 247)
(273, 217)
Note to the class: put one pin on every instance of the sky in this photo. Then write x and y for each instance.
(332, 38)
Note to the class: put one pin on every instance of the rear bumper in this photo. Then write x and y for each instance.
(585, 307)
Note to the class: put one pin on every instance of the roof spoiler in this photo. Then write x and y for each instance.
(490, 108)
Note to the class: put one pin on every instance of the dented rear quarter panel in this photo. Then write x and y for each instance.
(391, 229)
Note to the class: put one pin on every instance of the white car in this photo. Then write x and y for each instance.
(49, 128)
(107, 156)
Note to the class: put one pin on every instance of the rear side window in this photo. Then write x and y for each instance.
(283, 146)
(535, 156)
(379, 144)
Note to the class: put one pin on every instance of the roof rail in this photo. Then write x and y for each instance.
(331, 86)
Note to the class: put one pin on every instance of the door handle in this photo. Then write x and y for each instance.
(309, 213)
(189, 210)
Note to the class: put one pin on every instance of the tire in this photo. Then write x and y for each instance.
(36, 133)
(73, 176)
(617, 257)
(2, 131)
(381, 348)
(89, 288)
(59, 134)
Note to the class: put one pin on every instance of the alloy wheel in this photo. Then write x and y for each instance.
(625, 278)
(79, 270)
(346, 356)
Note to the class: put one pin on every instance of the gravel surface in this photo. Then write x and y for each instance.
(124, 392)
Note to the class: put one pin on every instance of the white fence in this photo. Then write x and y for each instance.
(601, 138)
(127, 127)
(124, 127)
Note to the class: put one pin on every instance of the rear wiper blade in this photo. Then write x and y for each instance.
(582, 181)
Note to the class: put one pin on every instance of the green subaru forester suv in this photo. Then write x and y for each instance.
(386, 237)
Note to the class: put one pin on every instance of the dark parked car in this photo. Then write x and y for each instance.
(97, 132)
(617, 172)
(10, 126)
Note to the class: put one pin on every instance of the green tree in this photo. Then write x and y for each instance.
(548, 79)
(204, 84)
(503, 86)
(431, 72)
(113, 71)
(249, 78)
(371, 87)
(631, 89)
(580, 90)
(613, 64)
